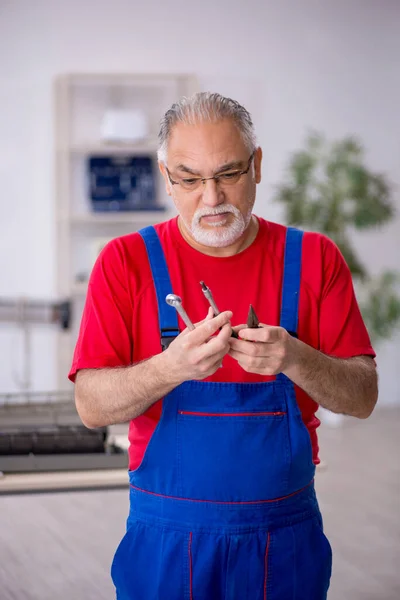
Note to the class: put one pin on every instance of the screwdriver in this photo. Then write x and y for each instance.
(207, 292)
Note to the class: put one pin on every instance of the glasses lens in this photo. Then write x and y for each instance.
(193, 183)
(229, 178)
(189, 184)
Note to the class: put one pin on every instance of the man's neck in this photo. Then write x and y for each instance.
(245, 240)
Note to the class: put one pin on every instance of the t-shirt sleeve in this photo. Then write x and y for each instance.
(105, 338)
(342, 329)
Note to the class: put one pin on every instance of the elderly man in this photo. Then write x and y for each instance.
(223, 442)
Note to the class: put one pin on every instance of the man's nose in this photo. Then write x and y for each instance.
(212, 194)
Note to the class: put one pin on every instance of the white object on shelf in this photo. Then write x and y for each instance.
(124, 126)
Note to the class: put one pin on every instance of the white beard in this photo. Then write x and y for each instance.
(223, 235)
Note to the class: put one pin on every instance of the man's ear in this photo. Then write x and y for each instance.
(164, 173)
(257, 164)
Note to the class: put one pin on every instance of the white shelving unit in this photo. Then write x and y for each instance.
(81, 101)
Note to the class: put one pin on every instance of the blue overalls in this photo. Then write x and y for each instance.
(223, 506)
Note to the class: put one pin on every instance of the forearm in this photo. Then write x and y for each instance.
(347, 386)
(107, 396)
(117, 395)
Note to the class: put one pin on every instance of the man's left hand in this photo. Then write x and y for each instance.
(266, 350)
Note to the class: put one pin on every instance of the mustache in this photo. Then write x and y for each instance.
(218, 210)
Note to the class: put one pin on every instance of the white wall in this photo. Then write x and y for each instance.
(330, 65)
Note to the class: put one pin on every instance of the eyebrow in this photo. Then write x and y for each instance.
(236, 164)
(182, 167)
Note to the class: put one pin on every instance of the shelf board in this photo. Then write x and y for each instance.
(51, 473)
(146, 146)
(116, 218)
(125, 78)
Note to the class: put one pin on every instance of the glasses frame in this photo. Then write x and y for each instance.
(215, 177)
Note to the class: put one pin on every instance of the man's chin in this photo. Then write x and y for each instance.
(214, 239)
(214, 226)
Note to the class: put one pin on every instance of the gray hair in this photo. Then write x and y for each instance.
(205, 106)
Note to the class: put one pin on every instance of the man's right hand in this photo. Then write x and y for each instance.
(198, 354)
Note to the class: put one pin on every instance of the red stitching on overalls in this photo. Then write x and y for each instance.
(266, 566)
(244, 414)
(222, 502)
(190, 566)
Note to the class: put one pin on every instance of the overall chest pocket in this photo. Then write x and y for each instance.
(233, 456)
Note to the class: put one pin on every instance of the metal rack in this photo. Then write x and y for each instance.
(43, 432)
(26, 312)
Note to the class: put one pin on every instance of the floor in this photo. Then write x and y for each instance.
(59, 546)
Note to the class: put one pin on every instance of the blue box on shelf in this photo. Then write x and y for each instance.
(122, 183)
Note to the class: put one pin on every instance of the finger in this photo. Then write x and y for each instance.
(217, 345)
(209, 316)
(243, 359)
(225, 333)
(239, 356)
(261, 365)
(255, 350)
(266, 334)
(238, 328)
(243, 355)
(213, 368)
(210, 326)
(251, 348)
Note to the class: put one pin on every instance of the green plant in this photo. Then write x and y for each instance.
(329, 189)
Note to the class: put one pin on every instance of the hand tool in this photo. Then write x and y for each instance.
(176, 302)
(207, 292)
(252, 319)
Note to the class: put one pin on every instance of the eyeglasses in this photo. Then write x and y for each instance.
(227, 179)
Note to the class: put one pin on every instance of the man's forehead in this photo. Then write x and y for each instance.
(215, 142)
(204, 130)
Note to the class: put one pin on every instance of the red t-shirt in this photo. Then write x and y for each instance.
(120, 320)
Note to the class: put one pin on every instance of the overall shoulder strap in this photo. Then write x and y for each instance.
(291, 280)
(167, 316)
